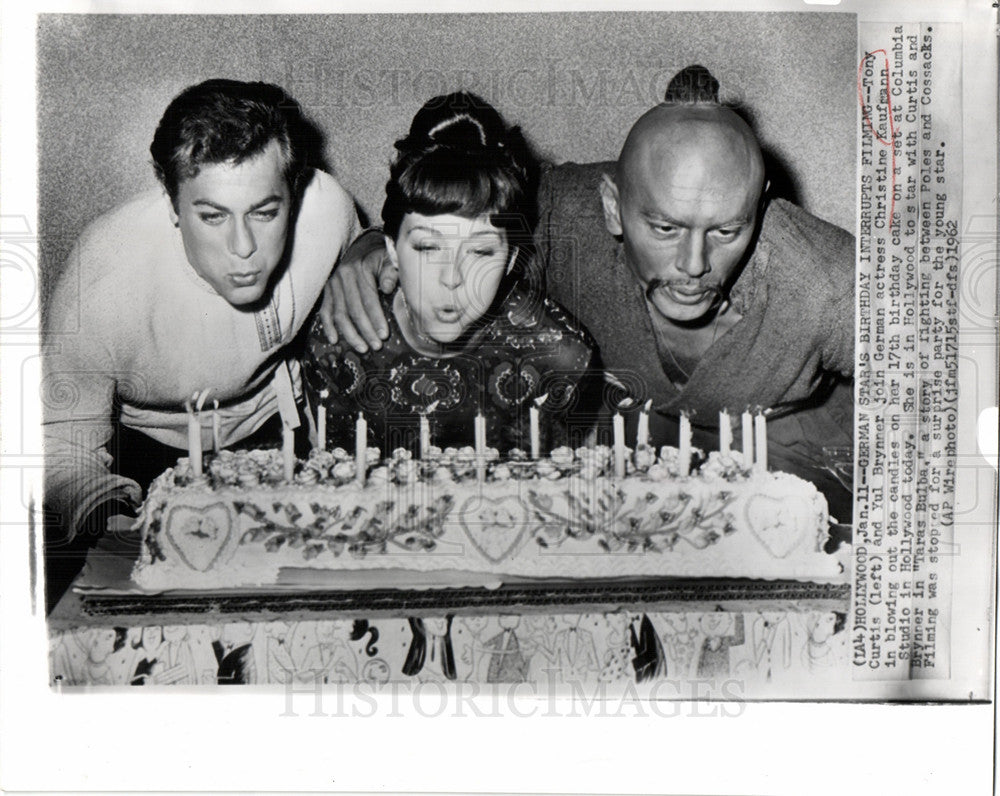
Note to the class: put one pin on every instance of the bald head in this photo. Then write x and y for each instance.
(693, 147)
(685, 199)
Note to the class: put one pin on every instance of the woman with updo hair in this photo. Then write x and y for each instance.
(468, 330)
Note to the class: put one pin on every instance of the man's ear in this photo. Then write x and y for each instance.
(611, 203)
(765, 198)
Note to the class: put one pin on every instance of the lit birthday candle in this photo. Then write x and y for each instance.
(480, 435)
(425, 430)
(618, 426)
(425, 436)
(536, 444)
(321, 420)
(760, 442)
(725, 433)
(360, 448)
(479, 430)
(747, 421)
(216, 428)
(684, 464)
(288, 451)
(194, 436)
(642, 434)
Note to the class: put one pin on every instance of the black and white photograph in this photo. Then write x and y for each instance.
(639, 360)
(385, 325)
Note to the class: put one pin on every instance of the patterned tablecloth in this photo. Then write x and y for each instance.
(549, 634)
(753, 642)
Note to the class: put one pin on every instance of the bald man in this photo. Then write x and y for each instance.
(684, 201)
(701, 293)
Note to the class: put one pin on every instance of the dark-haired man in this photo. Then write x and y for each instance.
(700, 293)
(199, 285)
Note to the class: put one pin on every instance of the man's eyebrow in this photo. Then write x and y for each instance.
(653, 215)
(742, 221)
(208, 203)
(255, 206)
(269, 200)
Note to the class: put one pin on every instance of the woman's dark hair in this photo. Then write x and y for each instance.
(229, 121)
(461, 158)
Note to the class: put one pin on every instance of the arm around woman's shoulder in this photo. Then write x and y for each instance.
(325, 226)
(329, 205)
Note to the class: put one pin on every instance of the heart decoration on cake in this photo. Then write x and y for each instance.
(774, 521)
(494, 527)
(199, 535)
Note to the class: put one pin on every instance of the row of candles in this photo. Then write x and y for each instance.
(479, 435)
(194, 407)
(753, 426)
(754, 439)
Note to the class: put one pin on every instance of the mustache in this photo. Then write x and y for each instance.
(719, 293)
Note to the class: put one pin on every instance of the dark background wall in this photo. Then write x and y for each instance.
(575, 82)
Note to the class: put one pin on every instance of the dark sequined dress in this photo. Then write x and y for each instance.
(530, 347)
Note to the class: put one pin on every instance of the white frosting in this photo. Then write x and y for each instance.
(560, 517)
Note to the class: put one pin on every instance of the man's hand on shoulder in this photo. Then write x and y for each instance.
(351, 310)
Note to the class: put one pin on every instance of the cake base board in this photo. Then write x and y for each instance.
(666, 594)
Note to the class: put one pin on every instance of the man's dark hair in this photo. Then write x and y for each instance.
(693, 84)
(228, 121)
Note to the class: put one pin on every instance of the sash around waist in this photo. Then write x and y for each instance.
(236, 420)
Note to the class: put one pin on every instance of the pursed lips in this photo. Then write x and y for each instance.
(691, 292)
(450, 313)
(244, 278)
